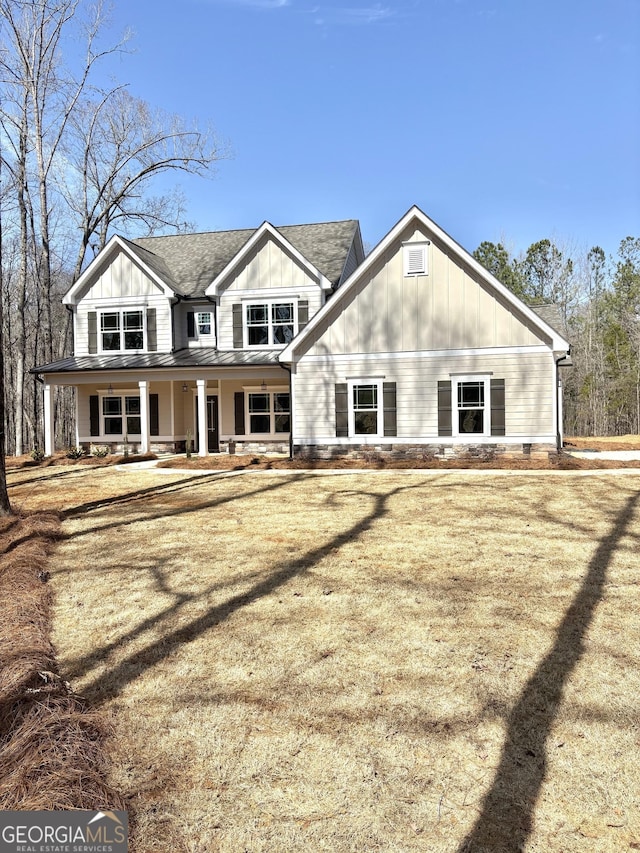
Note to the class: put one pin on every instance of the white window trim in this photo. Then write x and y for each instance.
(456, 380)
(284, 300)
(120, 310)
(122, 393)
(271, 390)
(409, 255)
(202, 335)
(366, 380)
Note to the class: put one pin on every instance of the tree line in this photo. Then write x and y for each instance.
(78, 161)
(598, 301)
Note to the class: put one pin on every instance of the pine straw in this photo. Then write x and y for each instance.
(51, 746)
(397, 662)
(377, 462)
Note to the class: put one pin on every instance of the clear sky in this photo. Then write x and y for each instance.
(507, 120)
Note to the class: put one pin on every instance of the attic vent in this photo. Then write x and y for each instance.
(415, 259)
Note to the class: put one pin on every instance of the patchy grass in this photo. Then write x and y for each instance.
(388, 661)
(51, 753)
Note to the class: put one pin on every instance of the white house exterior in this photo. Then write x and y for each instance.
(178, 337)
(290, 339)
(423, 350)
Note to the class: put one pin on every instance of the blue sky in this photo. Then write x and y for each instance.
(507, 120)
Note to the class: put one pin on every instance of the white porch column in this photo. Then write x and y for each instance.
(203, 444)
(143, 385)
(49, 427)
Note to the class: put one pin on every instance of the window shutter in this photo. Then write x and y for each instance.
(237, 326)
(444, 408)
(238, 402)
(154, 415)
(498, 425)
(191, 324)
(389, 408)
(94, 415)
(303, 314)
(93, 332)
(342, 410)
(152, 334)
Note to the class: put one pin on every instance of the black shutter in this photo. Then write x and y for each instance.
(191, 324)
(498, 426)
(152, 334)
(154, 415)
(238, 402)
(444, 408)
(303, 314)
(342, 410)
(94, 415)
(389, 408)
(237, 326)
(93, 332)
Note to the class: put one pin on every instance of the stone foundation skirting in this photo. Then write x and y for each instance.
(423, 452)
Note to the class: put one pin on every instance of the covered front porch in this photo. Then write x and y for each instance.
(207, 410)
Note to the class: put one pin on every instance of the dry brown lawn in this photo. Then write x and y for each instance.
(357, 662)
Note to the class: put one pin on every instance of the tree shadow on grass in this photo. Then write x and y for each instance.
(110, 684)
(506, 817)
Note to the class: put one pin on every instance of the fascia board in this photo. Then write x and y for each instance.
(414, 213)
(71, 296)
(265, 228)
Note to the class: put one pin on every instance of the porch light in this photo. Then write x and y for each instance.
(263, 385)
(185, 387)
(110, 390)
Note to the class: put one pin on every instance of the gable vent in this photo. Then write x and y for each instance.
(415, 259)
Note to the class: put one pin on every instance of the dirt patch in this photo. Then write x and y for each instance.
(614, 442)
(51, 745)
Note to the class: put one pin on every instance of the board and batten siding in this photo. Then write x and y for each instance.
(529, 382)
(156, 300)
(269, 273)
(449, 308)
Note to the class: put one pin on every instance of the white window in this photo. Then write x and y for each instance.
(122, 331)
(415, 258)
(269, 412)
(203, 323)
(120, 415)
(269, 323)
(471, 405)
(366, 407)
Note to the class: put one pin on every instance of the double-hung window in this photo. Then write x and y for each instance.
(269, 412)
(122, 331)
(121, 415)
(269, 323)
(471, 399)
(203, 323)
(365, 407)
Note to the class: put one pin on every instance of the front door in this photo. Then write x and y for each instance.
(213, 444)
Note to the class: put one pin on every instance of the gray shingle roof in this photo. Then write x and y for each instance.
(190, 262)
(184, 358)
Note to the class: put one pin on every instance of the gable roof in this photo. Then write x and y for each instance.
(266, 229)
(186, 264)
(414, 214)
(191, 262)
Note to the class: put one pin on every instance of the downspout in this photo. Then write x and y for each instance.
(173, 304)
(558, 424)
(288, 369)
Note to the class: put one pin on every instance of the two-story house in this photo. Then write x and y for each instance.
(177, 338)
(290, 339)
